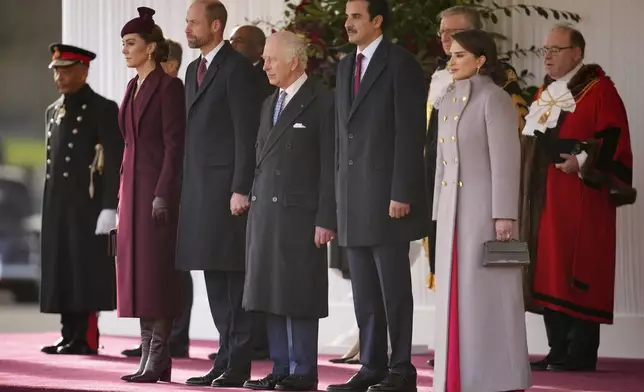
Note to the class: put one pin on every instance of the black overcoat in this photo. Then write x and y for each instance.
(219, 159)
(380, 141)
(77, 275)
(293, 192)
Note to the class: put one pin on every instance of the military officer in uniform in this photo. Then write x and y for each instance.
(84, 152)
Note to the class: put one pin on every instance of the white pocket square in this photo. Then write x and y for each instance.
(299, 125)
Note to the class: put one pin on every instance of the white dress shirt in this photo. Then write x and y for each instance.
(368, 54)
(211, 55)
(293, 89)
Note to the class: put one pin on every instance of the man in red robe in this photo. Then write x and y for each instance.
(577, 170)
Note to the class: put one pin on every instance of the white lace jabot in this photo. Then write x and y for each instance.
(441, 80)
(545, 111)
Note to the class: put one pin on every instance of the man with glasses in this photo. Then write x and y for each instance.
(577, 171)
(453, 20)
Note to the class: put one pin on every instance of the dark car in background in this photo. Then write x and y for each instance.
(19, 239)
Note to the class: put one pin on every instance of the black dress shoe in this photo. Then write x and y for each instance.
(298, 383)
(74, 348)
(53, 349)
(264, 384)
(132, 352)
(572, 365)
(545, 364)
(231, 379)
(212, 356)
(357, 383)
(395, 382)
(340, 360)
(205, 381)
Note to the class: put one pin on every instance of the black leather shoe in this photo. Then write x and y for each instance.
(431, 362)
(76, 349)
(231, 379)
(395, 382)
(53, 349)
(264, 384)
(298, 383)
(545, 364)
(132, 352)
(572, 365)
(357, 383)
(212, 356)
(205, 381)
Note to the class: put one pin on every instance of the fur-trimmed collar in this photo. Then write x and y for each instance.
(584, 76)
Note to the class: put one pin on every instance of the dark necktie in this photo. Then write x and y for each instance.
(201, 71)
(358, 73)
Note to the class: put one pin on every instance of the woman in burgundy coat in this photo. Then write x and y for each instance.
(152, 119)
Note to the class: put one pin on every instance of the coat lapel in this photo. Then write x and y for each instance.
(213, 69)
(145, 94)
(345, 74)
(126, 101)
(191, 82)
(295, 107)
(376, 66)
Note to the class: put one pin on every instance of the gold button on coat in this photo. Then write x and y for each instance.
(460, 183)
(441, 140)
(453, 138)
(456, 117)
(443, 183)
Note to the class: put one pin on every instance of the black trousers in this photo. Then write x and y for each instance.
(225, 291)
(383, 300)
(80, 328)
(571, 339)
(180, 337)
(259, 332)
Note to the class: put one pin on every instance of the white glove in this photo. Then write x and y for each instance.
(106, 222)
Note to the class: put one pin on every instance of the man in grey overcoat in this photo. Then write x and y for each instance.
(223, 106)
(292, 215)
(380, 191)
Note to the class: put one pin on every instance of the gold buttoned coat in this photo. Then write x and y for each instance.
(477, 181)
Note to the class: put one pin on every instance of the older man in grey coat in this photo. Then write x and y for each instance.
(292, 216)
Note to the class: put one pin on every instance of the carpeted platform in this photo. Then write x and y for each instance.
(24, 368)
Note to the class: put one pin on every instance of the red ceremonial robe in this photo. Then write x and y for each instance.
(575, 264)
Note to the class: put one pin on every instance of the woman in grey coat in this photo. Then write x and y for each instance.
(480, 321)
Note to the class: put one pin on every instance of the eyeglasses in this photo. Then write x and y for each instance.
(552, 49)
(449, 31)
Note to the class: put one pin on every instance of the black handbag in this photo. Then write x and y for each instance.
(506, 254)
(111, 245)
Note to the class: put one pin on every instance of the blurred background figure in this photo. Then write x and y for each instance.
(79, 204)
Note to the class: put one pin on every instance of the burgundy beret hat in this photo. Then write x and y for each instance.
(141, 25)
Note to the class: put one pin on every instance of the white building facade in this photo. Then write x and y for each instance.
(613, 31)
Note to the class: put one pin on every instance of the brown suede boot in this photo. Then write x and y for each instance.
(146, 336)
(159, 364)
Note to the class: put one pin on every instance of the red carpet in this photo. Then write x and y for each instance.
(24, 368)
